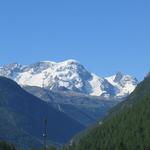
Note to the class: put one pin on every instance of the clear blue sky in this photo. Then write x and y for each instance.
(106, 36)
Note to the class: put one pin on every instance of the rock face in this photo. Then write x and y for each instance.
(69, 75)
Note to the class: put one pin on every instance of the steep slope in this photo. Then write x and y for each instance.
(22, 115)
(83, 108)
(68, 75)
(128, 128)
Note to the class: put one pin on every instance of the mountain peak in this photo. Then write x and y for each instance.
(47, 61)
(70, 61)
(119, 73)
(70, 75)
(65, 61)
(118, 76)
(13, 65)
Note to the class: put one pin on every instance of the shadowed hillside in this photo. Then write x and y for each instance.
(22, 115)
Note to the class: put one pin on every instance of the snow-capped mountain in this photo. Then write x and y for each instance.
(69, 75)
(124, 84)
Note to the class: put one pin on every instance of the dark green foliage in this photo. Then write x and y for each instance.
(51, 148)
(6, 146)
(128, 128)
(33, 148)
(48, 148)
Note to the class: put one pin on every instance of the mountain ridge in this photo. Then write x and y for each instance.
(69, 75)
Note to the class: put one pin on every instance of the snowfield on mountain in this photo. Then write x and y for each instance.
(69, 75)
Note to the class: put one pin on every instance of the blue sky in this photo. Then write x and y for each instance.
(106, 36)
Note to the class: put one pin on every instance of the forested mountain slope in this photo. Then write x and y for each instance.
(128, 128)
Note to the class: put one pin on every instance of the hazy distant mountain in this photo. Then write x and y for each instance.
(69, 75)
(83, 108)
(22, 116)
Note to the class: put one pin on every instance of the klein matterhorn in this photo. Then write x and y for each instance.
(69, 75)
